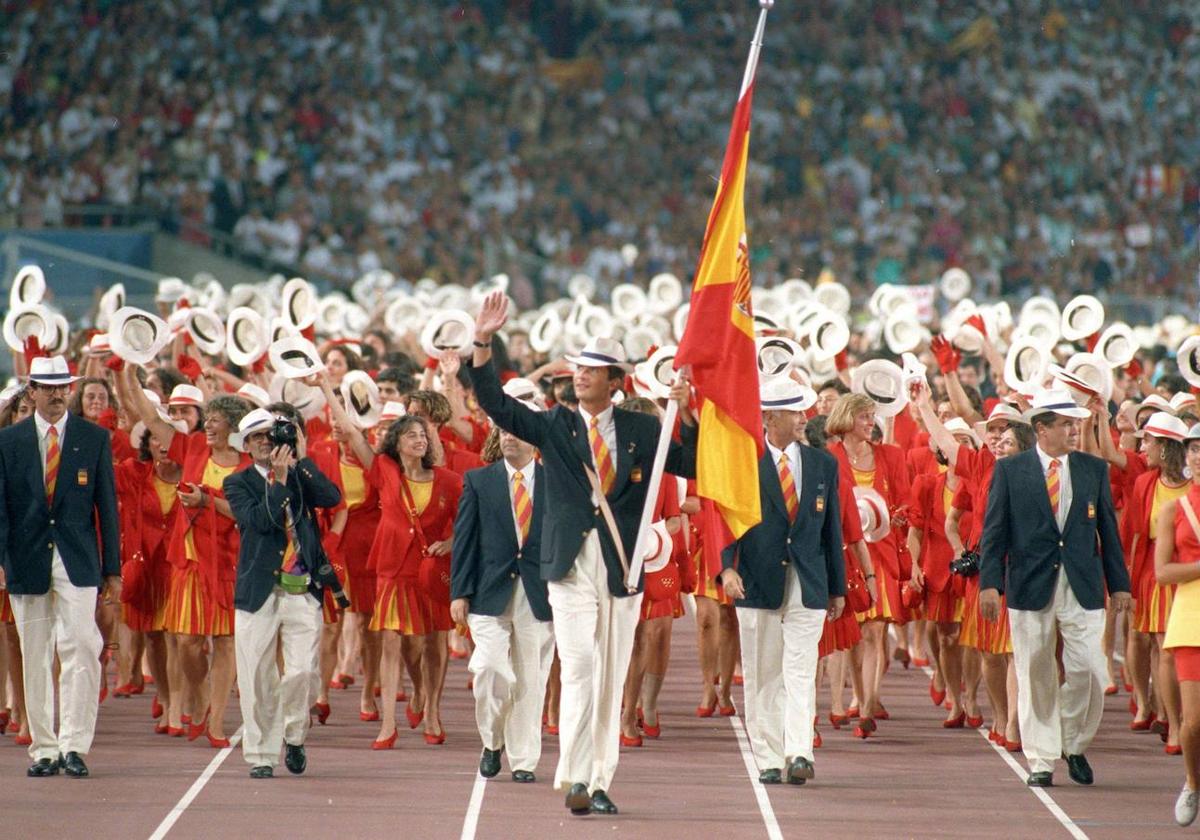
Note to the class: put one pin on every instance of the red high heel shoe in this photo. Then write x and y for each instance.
(852, 712)
(435, 740)
(1012, 746)
(706, 711)
(156, 708)
(1132, 706)
(995, 737)
(648, 730)
(955, 722)
(23, 740)
(195, 730)
(1173, 749)
(882, 714)
(176, 731)
(836, 721)
(368, 716)
(216, 743)
(975, 722)
(738, 679)
(864, 728)
(551, 728)
(816, 740)
(1142, 725)
(635, 741)
(13, 726)
(414, 718)
(185, 718)
(938, 697)
(1110, 690)
(727, 711)
(323, 711)
(902, 656)
(161, 729)
(458, 654)
(345, 680)
(920, 663)
(128, 690)
(401, 696)
(384, 743)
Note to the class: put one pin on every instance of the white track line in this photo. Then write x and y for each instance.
(760, 792)
(471, 821)
(1022, 774)
(184, 801)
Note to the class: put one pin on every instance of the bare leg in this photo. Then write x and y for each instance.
(348, 646)
(224, 674)
(412, 649)
(193, 666)
(370, 661)
(708, 622)
(658, 656)
(950, 657)
(874, 638)
(331, 635)
(1168, 690)
(1137, 669)
(835, 667)
(935, 659)
(156, 661)
(972, 672)
(1013, 733)
(729, 652)
(433, 672)
(995, 680)
(391, 652)
(1109, 641)
(633, 683)
(1190, 731)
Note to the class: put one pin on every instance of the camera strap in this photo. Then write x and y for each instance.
(609, 520)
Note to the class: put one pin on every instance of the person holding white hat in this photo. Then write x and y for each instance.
(1163, 446)
(1051, 545)
(782, 605)
(496, 589)
(282, 571)
(598, 463)
(60, 550)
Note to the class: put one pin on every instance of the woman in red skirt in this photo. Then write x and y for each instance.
(716, 618)
(864, 463)
(418, 503)
(1177, 563)
(202, 550)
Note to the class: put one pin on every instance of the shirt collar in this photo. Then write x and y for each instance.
(602, 419)
(792, 450)
(1046, 459)
(263, 471)
(43, 425)
(525, 471)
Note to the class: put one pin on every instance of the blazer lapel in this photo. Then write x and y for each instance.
(769, 476)
(70, 458)
(811, 485)
(626, 448)
(35, 473)
(579, 439)
(1079, 486)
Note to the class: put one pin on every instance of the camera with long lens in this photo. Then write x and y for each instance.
(966, 564)
(327, 577)
(282, 433)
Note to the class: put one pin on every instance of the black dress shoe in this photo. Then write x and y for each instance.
(1042, 779)
(43, 767)
(72, 765)
(579, 800)
(489, 763)
(523, 776)
(294, 758)
(601, 804)
(262, 771)
(773, 776)
(1079, 770)
(800, 771)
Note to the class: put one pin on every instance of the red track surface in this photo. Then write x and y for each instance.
(914, 780)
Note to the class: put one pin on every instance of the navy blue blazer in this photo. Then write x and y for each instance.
(1022, 547)
(563, 441)
(486, 560)
(260, 510)
(84, 495)
(812, 545)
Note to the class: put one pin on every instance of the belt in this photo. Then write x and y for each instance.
(292, 584)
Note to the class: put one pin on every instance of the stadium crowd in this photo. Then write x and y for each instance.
(1043, 146)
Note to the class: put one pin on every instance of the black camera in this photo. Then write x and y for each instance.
(327, 577)
(967, 564)
(282, 433)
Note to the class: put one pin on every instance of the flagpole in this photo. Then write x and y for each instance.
(634, 574)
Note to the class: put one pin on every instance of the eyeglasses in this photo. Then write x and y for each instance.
(48, 387)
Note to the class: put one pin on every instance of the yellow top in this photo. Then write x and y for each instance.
(213, 478)
(1183, 624)
(166, 494)
(1162, 495)
(421, 493)
(864, 478)
(354, 485)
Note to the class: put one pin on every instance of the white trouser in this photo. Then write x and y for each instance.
(779, 664)
(1058, 719)
(275, 709)
(594, 632)
(64, 619)
(512, 658)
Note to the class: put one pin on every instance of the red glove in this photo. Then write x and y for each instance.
(976, 321)
(188, 366)
(946, 354)
(332, 542)
(107, 420)
(33, 350)
(1134, 369)
(260, 364)
(1091, 341)
(115, 364)
(431, 363)
(842, 360)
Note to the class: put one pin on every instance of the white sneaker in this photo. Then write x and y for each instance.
(1185, 806)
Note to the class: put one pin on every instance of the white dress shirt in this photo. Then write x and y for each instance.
(527, 473)
(1064, 483)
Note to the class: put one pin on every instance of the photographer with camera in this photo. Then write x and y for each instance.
(282, 570)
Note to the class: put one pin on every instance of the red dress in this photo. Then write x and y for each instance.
(943, 594)
(351, 551)
(395, 558)
(891, 564)
(145, 527)
(667, 506)
(844, 633)
(976, 631)
(203, 547)
(1151, 602)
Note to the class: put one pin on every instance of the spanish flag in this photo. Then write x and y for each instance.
(718, 342)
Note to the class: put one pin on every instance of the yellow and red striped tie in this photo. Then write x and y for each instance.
(522, 505)
(1053, 487)
(52, 459)
(604, 464)
(789, 488)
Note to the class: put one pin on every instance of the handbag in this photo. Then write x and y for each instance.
(664, 584)
(433, 573)
(858, 597)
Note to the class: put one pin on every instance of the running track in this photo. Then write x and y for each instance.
(913, 780)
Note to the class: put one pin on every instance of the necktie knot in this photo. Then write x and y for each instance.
(1054, 465)
(517, 477)
(594, 423)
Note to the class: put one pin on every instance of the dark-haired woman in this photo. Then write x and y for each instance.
(202, 550)
(418, 503)
(1162, 483)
